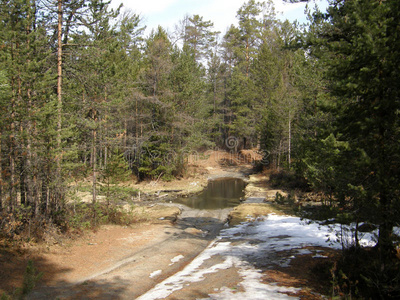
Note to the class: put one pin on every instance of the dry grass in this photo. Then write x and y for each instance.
(156, 213)
(246, 212)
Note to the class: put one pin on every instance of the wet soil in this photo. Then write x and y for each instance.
(124, 262)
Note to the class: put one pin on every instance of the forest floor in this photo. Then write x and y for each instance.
(117, 262)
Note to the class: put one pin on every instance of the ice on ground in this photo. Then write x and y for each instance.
(195, 273)
(191, 273)
(244, 246)
(319, 256)
(285, 232)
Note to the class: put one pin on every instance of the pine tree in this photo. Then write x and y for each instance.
(242, 46)
(360, 48)
(277, 70)
(198, 35)
(25, 59)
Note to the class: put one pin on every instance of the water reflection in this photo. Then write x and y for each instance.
(219, 193)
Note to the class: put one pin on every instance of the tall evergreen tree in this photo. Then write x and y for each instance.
(155, 108)
(241, 48)
(25, 58)
(277, 70)
(199, 36)
(359, 45)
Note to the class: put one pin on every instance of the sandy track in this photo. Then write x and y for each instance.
(142, 267)
(145, 258)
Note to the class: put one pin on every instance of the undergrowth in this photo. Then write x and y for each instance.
(118, 192)
(22, 226)
(112, 192)
(31, 277)
(360, 273)
(288, 180)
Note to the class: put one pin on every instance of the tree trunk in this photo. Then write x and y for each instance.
(59, 89)
(35, 176)
(356, 238)
(385, 237)
(278, 163)
(1, 172)
(105, 156)
(29, 185)
(94, 165)
(22, 181)
(290, 141)
(94, 194)
(12, 197)
(20, 164)
(45, 199)
(105, 134)
(125, 134)
(13, 194)
(247, 58)
(215, 93)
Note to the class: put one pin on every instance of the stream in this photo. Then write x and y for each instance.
(219, 194)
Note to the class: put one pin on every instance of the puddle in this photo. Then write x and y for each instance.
(219, 193)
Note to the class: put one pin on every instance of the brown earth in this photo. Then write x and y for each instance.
(95, 264)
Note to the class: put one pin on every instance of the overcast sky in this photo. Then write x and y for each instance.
(222, 13)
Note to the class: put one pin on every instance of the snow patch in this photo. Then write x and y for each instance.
(319, 256)
(155, 273)
(176, 259)
(243, 246)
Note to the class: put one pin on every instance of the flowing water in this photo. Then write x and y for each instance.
(219, 193)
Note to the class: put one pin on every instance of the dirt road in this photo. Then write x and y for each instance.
(185, 259)
(139, 268)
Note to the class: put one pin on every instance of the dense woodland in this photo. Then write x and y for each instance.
(85, 94)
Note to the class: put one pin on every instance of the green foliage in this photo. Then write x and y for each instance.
(158, 159)
(116, 170)
(288, 180)
(82, 216)
(359, 160)
(4, 296)
(129, 103)
(198, 35)
(243, 103)
(322, 162)
(282, 200)
(353, 277)
(115, 193)
(31, 277)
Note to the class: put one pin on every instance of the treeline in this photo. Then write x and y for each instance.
(83, 92)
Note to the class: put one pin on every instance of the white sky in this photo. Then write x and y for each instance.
(222, 13)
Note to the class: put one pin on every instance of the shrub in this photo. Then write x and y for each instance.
(288, 180)
(31, 277)
(362, 272)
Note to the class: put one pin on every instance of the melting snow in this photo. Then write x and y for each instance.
(155, 273)
(244, 245)
(176, 259)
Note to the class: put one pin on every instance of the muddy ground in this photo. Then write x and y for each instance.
(124, 262)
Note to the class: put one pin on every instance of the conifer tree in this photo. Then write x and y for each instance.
(198, 34)
(241, 48)
(358, 44)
